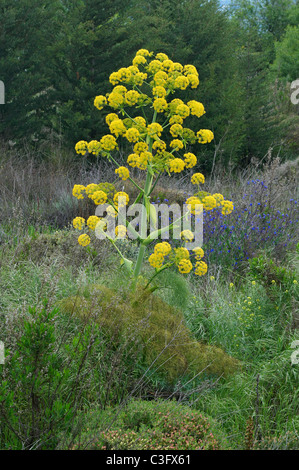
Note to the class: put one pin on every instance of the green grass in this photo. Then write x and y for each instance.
(251, 314)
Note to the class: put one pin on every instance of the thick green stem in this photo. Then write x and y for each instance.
(143, 225)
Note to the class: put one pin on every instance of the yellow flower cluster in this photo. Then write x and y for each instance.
(100, 101)
(164, 248)
(122, 172)
(117, 127)
(199, 253)
(78, 223)
(200, 268)
(176, 165)
(176, 130)
(181, 253)
(190, 160)
(198, 178)
(197, 109)
(121, 199)
(121, 231)
(94, 147)
(209, 203)
(78, 190)
(81, 147)
(226, 207)
(108, 142)
(157, 258)
(84, 240)
(219, 198)
(185, 266)
(176, 144)
(99, 197)
(195, 205)
(154, 130)
(160, 105)
(92, 221)
(187, 235)
(205, 136)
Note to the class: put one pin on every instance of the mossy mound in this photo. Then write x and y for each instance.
(63, 247)
(168, 345)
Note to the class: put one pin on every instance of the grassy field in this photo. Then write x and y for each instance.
(200, 363)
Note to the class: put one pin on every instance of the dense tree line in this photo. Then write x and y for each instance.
(57, 55)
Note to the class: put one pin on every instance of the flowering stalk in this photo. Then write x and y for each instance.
(162, 77)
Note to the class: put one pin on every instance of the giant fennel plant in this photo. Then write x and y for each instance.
(160, 144)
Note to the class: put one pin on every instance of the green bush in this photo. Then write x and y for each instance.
(54, 366)
(169, 347)
(151, 425)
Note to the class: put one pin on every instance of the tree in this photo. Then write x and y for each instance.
(28, 28)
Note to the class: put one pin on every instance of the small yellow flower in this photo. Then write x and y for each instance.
(84, 240)
(140, 147)
(92, 221)
(219, 198)
(176, 165)
(183, 110)
(193, 80)
(100, 101)
(94, 147)
(132, 160)
(122, 172)
(160, 105)
(108, 142)
(99, 197)
(176, 130)
(190, 160)
(176, 144)
(195, 205)
(139, 60)
(209, 203)
(111, 211)
(199, 253)
(81, 147)
(196, 108)
(78, 190)
(181, 82)
(227, 207)
(185, 266)
(154, 129)
(205, 136)
(164, 248)
(295, 281)
(90, 189)
(117, 127)
(132, 134)
(110, 118)
(159, 91)
(187, 235)
(231, 285)
(212, 278)
(253, 283)
(181, 253)
(121, 199)
(197, 178)
(132, 97)
(121, 231)
(156, 260)
(200, 268)
(79, 223)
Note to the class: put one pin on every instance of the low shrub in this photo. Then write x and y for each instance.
(169, 347)
(151, 425)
